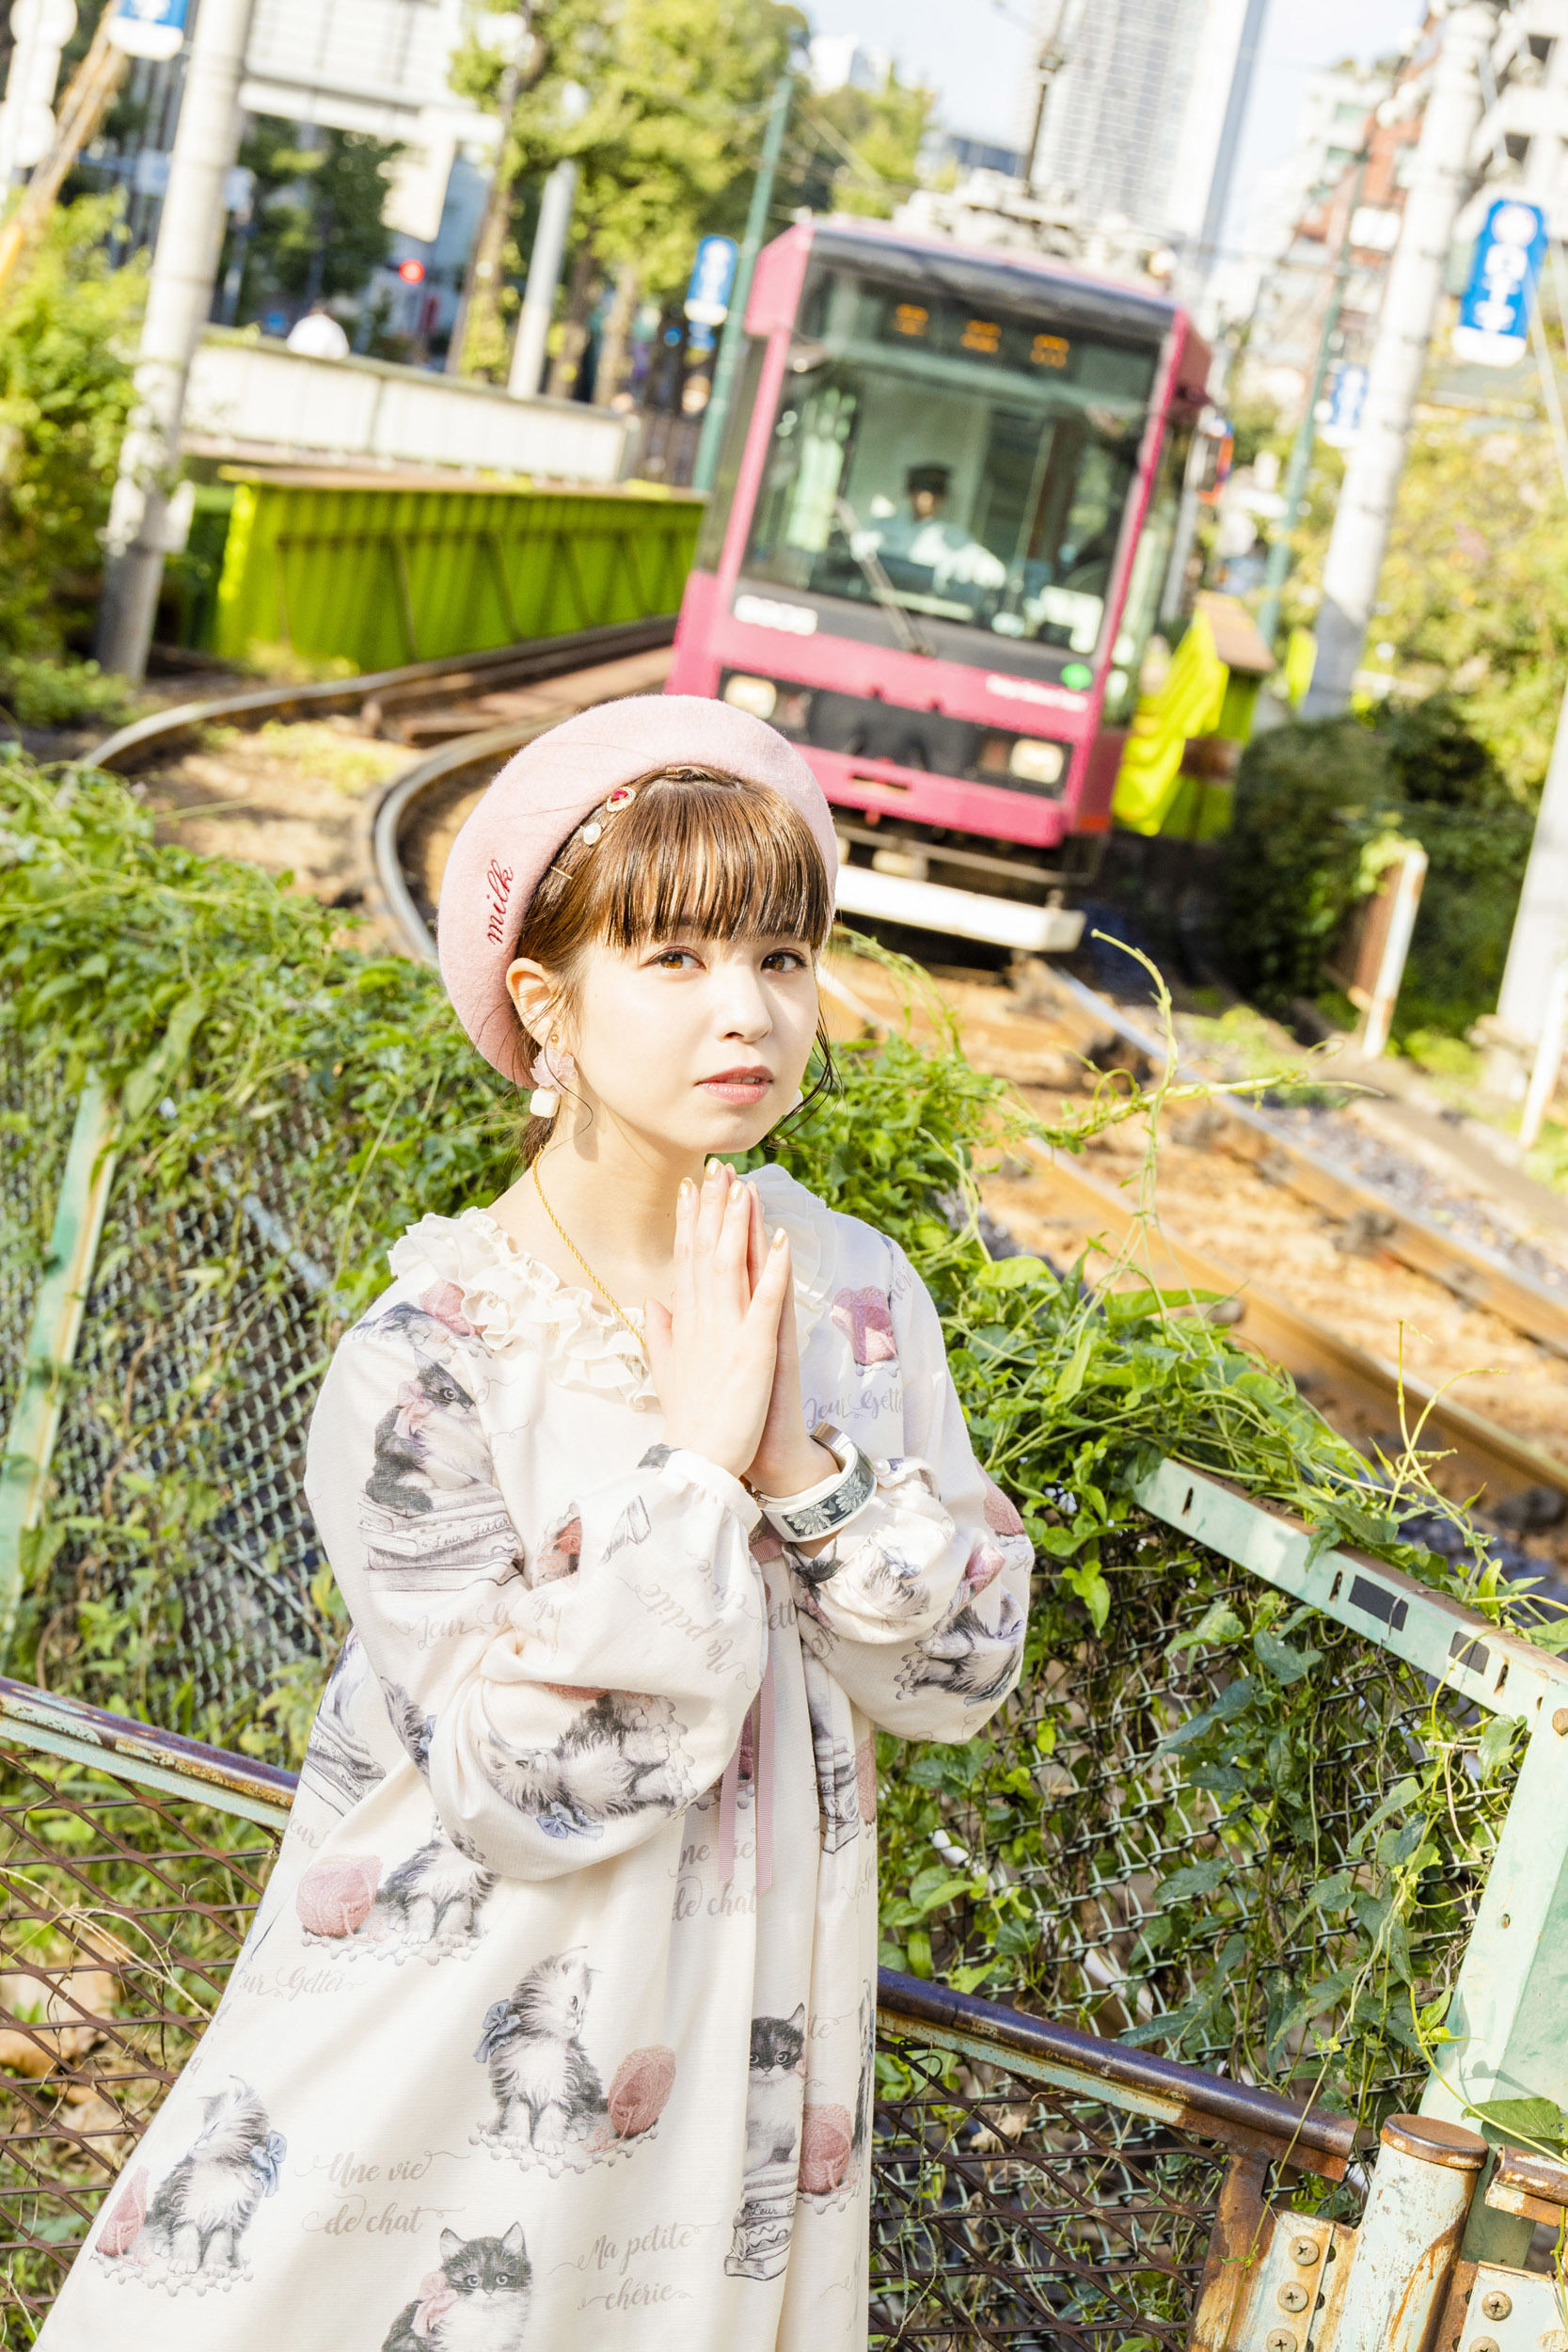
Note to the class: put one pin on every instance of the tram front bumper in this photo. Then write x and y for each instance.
(961, 914)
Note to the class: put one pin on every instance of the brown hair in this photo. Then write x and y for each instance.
(694, 853)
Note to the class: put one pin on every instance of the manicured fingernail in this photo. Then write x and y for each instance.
(686, 1189)
(780, 1238)
(713, 1167)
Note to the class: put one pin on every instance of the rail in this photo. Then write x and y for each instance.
(1473, 1274)
(414, 685)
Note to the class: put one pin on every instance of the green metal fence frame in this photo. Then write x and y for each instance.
(376, 572)
(1509, 2016)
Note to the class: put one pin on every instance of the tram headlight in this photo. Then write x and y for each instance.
(756, 695)
(1034, 762)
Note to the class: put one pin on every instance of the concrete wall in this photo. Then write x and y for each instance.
(258, 401)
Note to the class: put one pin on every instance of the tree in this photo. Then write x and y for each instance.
(856, 151)
(667, 145)
(1473, 597)
(317, 228)
(67, 347)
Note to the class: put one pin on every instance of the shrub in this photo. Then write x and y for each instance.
(63, 693)
(1315, 800)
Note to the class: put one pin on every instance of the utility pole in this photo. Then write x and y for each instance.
(178, 300)
(39, 30)
(734, 332)
(1532, 977)
(1278, 569)
(1410, 302)
(544, 277)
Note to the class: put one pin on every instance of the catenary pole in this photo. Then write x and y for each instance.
(1230, 135)
(746, 262)
(544, 277)
(179, 299)
(1410, 301)
(1299, 465)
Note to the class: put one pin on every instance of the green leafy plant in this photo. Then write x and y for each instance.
(63, 693)
(1322, 806)
(67, 334)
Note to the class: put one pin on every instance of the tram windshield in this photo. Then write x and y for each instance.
(930, 459)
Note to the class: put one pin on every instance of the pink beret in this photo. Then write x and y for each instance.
(544, 793)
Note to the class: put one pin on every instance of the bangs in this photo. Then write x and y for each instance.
(701, 857)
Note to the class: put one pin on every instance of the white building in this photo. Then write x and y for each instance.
(844, 61)
(1132, 121)
(1523, 139)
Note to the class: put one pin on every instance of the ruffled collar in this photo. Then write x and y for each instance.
(515, 1303)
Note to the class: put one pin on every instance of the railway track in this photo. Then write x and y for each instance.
(475, 711)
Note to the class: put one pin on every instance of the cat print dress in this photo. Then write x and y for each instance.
(554, 2026)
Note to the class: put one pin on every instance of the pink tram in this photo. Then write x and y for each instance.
(945, 524)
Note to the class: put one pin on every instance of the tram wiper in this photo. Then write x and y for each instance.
(905, 627)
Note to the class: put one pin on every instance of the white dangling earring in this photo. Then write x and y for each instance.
(545, 1100)
(800, 1098)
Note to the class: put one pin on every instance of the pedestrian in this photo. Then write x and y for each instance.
(555, 2024)
(318, 335)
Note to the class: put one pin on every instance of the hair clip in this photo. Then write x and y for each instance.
(622, 797)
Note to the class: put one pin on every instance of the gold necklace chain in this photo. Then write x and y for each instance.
(601, 1287)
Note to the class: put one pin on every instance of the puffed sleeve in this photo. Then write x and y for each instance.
(919, 1609)
(561, 1708)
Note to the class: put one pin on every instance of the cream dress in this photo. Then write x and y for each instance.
(555, 2026)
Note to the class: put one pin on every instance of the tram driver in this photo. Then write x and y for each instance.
(922, 538)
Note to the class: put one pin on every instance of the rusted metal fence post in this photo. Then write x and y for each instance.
(1409, 2238)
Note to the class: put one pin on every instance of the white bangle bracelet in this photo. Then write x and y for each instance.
(823, 1509)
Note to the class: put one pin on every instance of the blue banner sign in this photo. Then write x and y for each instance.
(1347, 397)
(708, 297)
(149, 28)
(1494, 317)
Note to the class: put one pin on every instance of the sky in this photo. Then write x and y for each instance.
(975, 53)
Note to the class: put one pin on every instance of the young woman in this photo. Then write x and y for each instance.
(555, 2026)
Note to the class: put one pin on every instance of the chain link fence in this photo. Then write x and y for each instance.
(1003, 2212)
(1163, 1882)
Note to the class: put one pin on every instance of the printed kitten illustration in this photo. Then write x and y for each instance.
(402, 1477)
(836, 2139)
(338, 1765)
(477, 2301)
(430, 1905)
(837, 1767)
(620, 1756)
(973, 1661)
(430, 1506)
(202, 2208)
(549, 2094)
(436, 1897)
(774, 2093)
(414, 1730)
